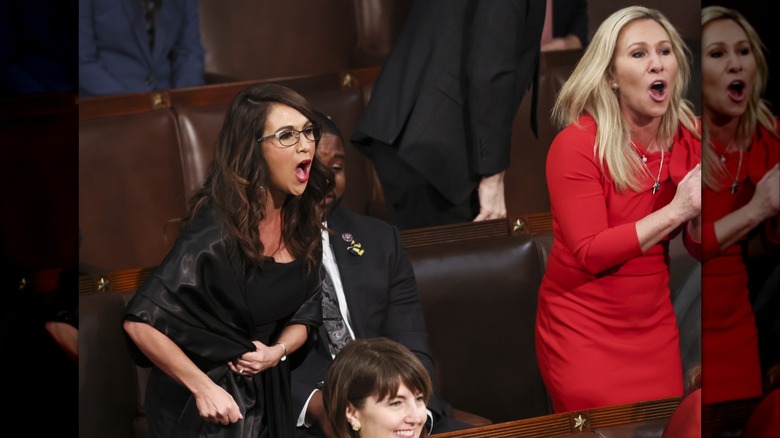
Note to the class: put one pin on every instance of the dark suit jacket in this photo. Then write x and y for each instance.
(114, 54)
(381, 295)
(448, 93)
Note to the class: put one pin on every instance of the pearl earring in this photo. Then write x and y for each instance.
(355, 425)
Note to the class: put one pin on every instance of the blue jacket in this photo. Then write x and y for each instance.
(114, 55)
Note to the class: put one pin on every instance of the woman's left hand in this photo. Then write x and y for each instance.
(255, 362)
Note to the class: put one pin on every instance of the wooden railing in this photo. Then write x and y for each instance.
(573, 423)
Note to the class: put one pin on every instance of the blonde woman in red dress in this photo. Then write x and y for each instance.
(740, 198)
(624, 178)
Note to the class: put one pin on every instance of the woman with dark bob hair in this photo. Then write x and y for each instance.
(376, 387)
(239, 291)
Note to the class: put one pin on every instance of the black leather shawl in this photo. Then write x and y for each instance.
(196, 297)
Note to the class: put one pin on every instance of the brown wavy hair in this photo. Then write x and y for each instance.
(234, 184)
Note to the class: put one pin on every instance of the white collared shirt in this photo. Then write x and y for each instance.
(329, 262)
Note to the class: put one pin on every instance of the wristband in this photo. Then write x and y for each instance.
(284, 355)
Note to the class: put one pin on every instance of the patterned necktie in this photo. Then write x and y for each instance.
(331, 316)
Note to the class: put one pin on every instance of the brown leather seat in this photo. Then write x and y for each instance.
(108, 384)
(479, 301)
(131, 191)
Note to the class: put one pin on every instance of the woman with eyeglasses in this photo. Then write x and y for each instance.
(239, 291)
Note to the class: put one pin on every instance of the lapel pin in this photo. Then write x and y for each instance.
(355, 248)
(347, 237)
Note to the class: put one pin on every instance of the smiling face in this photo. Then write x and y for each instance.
(330, 152)
(288, 167)
(644, 69)
(728, 68)
(403, 415)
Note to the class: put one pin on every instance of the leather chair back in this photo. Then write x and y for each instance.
(479, 301)
(252, 40)
(131, 194)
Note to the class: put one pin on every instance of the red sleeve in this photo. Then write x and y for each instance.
(764, 155)
(578, 203)
(693, 247)
(686, 154)
(709, 247)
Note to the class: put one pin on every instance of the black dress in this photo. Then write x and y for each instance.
(213, 308)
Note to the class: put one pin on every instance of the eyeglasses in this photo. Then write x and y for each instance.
(289, 137)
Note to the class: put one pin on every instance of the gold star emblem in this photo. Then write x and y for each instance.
(579, 422)
(102, 283)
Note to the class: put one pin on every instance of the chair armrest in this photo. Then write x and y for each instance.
(469, 418)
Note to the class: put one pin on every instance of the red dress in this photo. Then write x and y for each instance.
(731, 368)
(606, 331)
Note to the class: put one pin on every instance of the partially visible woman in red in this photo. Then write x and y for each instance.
(740, 197)
(624, 177)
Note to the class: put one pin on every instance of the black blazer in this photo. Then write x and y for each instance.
(448, 93)
(381, 295)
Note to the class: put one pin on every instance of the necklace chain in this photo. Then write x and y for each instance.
(735, 178)
(643, 158)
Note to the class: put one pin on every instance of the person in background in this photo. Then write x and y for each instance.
(565, 25)
(376, 387)
(741, 151)
(128, 46)
(239, 291)
(439, 122)
(624, 178)
(376, 295)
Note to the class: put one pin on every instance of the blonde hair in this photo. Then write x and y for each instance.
(757, 111)
(588, 91)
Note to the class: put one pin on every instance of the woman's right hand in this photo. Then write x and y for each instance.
(217, 406)
(687, 199)
(766, 198)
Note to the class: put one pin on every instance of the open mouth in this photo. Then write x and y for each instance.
(736, 90)
(658, 90)
(302, 170)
